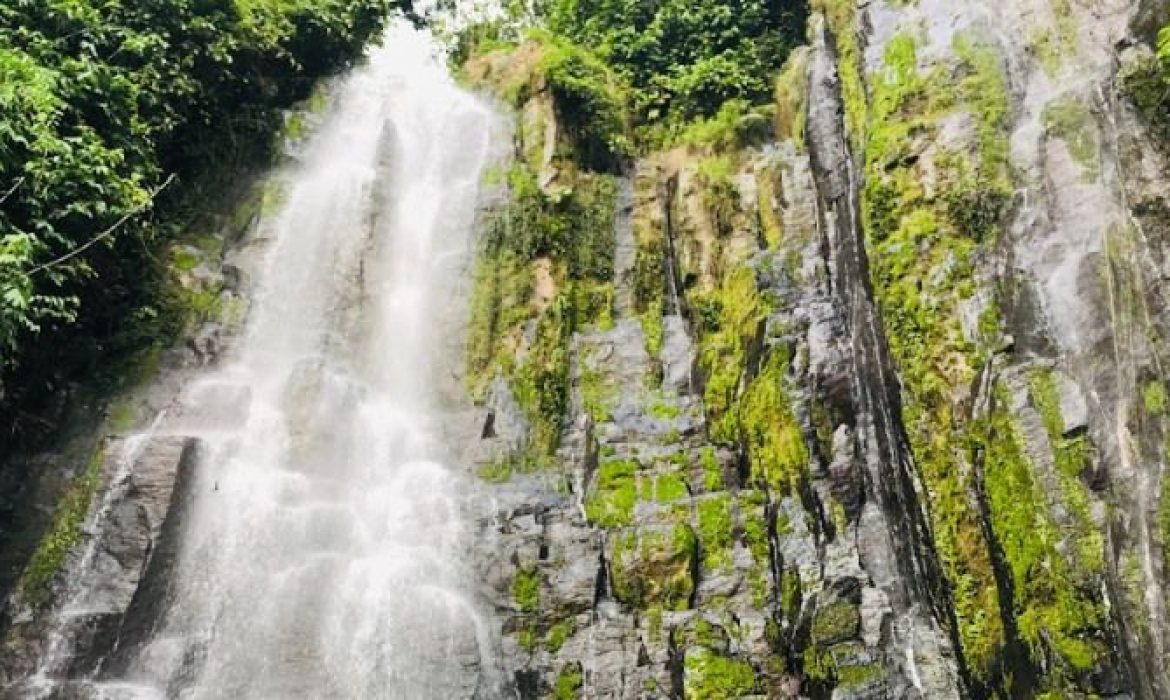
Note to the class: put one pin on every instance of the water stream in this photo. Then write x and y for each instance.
(323, 553)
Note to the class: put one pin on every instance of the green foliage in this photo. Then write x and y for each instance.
(526, 590)
(100, 104)
(729, 320)
(1147, 83)
(836, 622)
(711, 676)
(569, 683)
(716, 531)
(654, 569)
(775, 445)
(589, 102)
(1154, 398)
(571, 233)
(685, 59)
(611, 503)
(1056, 609)
(922, 245)
(557, 634)
(736, 125)
(63, 536)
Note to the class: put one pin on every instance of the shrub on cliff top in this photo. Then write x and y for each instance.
(686, 58)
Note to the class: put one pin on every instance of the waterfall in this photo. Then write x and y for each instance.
(323, 552)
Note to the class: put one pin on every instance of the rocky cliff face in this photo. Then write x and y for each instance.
(875, 406)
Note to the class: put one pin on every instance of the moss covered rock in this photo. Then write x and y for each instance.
(654, 567)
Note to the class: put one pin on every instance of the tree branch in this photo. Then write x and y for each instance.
(104, 234)
(9, 193)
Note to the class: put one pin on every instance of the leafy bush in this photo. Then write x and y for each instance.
(686, 58)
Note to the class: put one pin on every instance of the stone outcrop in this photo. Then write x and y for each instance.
(105, 596)
(940, 288)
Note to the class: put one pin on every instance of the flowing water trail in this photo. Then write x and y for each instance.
(323, 553)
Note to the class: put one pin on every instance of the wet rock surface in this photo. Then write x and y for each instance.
(114, 578)
(959, 260)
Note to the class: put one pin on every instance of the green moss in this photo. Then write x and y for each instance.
(654, 569)
(711, 676)
(526, 638)
(791, 97)
(652, 328)
(712, 471)
(836, 622)
(923, 242)
(1055, 600)
(184, 259)
(769, 183)
(665, 409)
(857, 676)
(730, 320)
(654, 622)
(1154, 398)
(1054, 42)
(756, 534)
(526, 591)
(569, 683)
(1069, 120)
(791, 596)
(611, 503)
(840, 15)
(569, 234)
(774, 442)
(123, 416)
(1071, 455)
(557, 634)
(719, 193)
(273, 195)
(648, 279)
(1164, 516)
(63, 535)
(664, 488)
(716, 531)
(597, 394)
(1144, 81)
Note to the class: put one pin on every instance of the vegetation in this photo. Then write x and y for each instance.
(684, 59)
(707, 674)
(1147, 83)
(569, 682)
(562, 240)
(653, 568)
(526, 590)
(63, 535)
(112, 116)
(612, 502)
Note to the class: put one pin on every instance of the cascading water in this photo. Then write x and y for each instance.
(321, 556)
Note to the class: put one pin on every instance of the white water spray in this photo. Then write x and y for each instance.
(322, 557)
